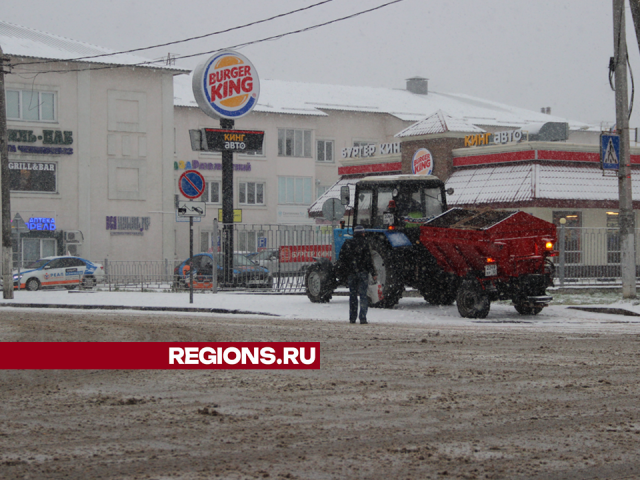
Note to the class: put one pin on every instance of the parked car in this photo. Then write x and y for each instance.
(65, 272)
(245, 272)
(271, 259)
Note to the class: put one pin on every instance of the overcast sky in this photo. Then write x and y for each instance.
(545, 53)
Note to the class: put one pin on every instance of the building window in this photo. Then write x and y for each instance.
(31, 105)
(211, 192)
(294, 143)
(33, 177)
(251, 193)
(572, 235)
(295, 190)
(613, 237)
(321, 191)
(324, 151)
(250, 240)
(207, 242)
(35, 248)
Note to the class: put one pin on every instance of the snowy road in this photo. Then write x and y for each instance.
(410, 310)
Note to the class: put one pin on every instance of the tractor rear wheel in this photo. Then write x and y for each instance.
(320, 282)
(389, 274)
(472, 300)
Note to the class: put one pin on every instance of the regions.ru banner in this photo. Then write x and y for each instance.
(159, 355)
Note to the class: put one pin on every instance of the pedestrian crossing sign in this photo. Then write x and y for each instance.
(610, 151)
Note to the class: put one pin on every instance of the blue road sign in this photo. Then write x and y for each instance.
(610, 151)
(191, 184)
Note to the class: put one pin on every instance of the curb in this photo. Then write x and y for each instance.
(613, 311)
(144, 309)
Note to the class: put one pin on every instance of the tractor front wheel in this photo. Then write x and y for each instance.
(320, 282)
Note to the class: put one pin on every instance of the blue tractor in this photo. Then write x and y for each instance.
(391, 209)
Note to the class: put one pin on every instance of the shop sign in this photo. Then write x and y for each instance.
(196, 165)
(371, 150)
(41, 223)
(237, 215)
(304, 253)
(493, 138)
(128, 225)
(47, 167)
(422, 162)
(226, 85)
(33, 177)
(47, 137)
(233, 140)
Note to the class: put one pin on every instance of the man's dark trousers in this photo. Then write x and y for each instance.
(358, 284)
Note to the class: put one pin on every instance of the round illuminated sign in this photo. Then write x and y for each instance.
(226, 85)
(422, 162)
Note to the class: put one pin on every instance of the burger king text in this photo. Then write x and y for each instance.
(223, 85)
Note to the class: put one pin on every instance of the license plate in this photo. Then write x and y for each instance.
(491, 270)
(387, 218)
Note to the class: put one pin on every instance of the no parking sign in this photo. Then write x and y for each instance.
(191, 184)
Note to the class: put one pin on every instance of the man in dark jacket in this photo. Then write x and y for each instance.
(355, 258)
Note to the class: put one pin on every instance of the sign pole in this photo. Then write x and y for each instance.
(191, 185)
(227, 207)
(226, 86)
(214, 256)
(190, 259)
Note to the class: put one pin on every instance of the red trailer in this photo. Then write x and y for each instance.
(496, 255)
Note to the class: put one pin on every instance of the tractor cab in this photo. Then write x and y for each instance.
(398, 201)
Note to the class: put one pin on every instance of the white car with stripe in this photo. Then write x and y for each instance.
(64, 271)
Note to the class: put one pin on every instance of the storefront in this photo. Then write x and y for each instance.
(88, 141)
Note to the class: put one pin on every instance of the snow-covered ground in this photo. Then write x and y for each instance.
(410, 310)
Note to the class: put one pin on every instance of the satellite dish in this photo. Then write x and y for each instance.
(332, 209)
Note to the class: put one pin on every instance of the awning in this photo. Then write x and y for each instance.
(529, 182)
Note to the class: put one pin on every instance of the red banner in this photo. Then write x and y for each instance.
(159, 355)
(303, 253)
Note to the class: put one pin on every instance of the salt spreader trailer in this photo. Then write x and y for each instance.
(470, 256)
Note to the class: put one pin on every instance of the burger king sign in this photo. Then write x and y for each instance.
(226, 85)
(422, 162)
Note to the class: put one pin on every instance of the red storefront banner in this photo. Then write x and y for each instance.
(159, 355)
(303, 253)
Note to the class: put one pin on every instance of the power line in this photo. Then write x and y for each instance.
(240, 45)
(231, 29)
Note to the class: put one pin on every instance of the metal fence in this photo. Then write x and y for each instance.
(275, 258)
(266, 258)
(590, 256)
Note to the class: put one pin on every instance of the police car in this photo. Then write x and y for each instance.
(65, 272)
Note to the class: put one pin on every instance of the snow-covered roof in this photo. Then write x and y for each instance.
(19, 41)
(278, 96)
(439, 122)
(521, 183)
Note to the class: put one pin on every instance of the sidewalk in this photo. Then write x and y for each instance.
(589, 307)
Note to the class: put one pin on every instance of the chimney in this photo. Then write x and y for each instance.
(546, 110)
(418, 85)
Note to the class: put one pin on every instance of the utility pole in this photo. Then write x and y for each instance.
(7, 251)
(626, 215)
